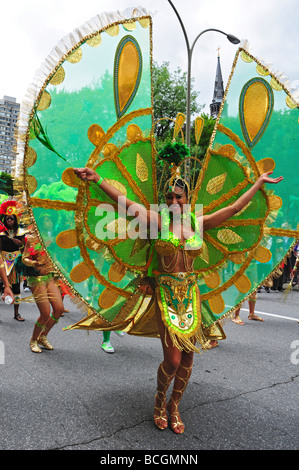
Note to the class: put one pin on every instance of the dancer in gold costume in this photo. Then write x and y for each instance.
(80, 116)
(45, 290)
(177, 296)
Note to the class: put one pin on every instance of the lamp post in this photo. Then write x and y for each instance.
(230, 37)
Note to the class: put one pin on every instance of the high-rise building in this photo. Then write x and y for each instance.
(9, 111)
(218, 92)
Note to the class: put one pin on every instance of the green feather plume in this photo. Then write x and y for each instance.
(41, 134)
(174, 152)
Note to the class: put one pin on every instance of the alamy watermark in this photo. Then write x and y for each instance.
(138, 222)
(295, 354)
(2, 353)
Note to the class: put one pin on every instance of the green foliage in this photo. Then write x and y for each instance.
(174, 153)
(6, 184)
(169, 96)
(56, 191)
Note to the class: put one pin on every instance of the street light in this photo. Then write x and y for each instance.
(230, 37)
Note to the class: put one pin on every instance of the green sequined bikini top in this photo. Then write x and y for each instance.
(172, 244)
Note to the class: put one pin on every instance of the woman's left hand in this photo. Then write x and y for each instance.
(8, 292)
(86, 174)
(265, 178)
(17, 242)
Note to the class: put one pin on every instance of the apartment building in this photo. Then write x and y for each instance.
(9, 111)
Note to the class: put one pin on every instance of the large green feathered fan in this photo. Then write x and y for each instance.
(257, 131)
(93, 108)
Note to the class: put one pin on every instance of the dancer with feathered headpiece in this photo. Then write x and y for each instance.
(12, 241)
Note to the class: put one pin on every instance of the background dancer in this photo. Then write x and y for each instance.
(45, 290)
(12, 243)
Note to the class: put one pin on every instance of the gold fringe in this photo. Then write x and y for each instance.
(186, 344)
(37, 298)
(83, 308)
(287, 291)
(29, 299)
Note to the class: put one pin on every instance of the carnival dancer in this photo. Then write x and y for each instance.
(177, 296)
(40, 279)
(252, 315)
(12, 242)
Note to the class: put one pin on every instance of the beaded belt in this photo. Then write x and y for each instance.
(34, 281)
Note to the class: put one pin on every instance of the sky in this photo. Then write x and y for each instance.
(31, 29)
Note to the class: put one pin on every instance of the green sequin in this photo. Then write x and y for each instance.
(34, 281)
(165, 234)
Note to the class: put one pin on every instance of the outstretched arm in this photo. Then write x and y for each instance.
(145, 216)
(218, 217)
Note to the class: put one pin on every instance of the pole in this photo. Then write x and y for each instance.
(231, 38)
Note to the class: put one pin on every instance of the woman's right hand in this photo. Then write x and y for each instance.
(87, 174)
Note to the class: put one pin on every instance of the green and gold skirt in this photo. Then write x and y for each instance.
(178, 299)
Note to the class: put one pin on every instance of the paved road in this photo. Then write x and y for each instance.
(242, 394)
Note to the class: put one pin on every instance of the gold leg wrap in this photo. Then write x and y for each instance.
(163, 382)
(17, 299)
(180, 383)
(43, 341)
(34, 346)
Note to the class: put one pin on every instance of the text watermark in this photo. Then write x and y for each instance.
(135, 221)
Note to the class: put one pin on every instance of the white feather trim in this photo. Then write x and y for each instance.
(279, 76)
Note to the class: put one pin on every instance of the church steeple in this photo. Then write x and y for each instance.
(218, 91)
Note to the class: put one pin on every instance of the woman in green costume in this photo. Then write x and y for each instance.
(45, 290)
(177, 296)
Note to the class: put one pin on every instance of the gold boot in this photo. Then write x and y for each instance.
(160, 416)
(181, 381)
(34, 346)
(164, 380)
(43, 341)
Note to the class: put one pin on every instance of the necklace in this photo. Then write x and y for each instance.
(169, 267)
(188, 264)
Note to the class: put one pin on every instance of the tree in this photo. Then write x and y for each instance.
(6, 184)
(169, 96)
